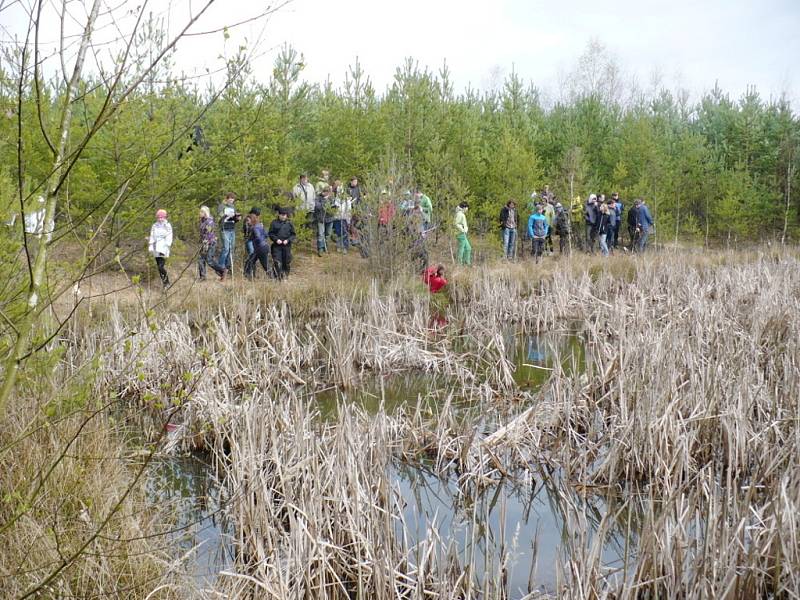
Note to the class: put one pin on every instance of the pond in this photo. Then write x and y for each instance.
(533, 355)
(186, 488)
(526, 519)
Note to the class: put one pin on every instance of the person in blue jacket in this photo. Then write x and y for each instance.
(537, 231)
(644, 224)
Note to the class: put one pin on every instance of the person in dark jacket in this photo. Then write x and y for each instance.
(563, 228)
(250, 253)
(258, 237)
(508, 224)
(322, 219)
(618, 208)
(282, 234)
(591, 216)
(633, 223)
(354, 190)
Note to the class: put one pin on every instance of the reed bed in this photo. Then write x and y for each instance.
(685, 425)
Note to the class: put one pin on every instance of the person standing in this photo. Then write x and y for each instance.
(644, 224)
(208, 242)
(508, 224)
(322, 220)
(159, 244)
(281, 232)
(590, 215)
(324, 180)
(633, 224)
(258, 237)
(304, 195)
(249, 249)
(537, 231)
(618, 208)
(228, 217)
(530, 209)
(464, 247)
(342, 211)
(354, 189)
(426, 206)
(605, 225)
(563, 227)
(549, 212)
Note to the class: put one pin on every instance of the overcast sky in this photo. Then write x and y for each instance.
(691, 44)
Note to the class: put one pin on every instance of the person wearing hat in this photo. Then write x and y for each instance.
(281, 232)
(159, 244)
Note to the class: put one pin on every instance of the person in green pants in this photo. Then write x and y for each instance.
(464, 248)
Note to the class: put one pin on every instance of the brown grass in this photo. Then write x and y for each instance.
(686, 416)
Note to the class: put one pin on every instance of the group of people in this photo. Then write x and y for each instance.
(603, 219)
(335, 212)
(271, 248)
(546, 216)
(329, 208)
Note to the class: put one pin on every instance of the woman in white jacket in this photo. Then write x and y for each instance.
(160, 243)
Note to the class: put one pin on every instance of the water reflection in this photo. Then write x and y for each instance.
(387, 392)
(524, 520)
(185, 488)
(535, 355)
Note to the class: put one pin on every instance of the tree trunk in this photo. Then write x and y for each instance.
(789, 175)
(25, 328)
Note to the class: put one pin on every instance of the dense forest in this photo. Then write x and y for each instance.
(717, 169)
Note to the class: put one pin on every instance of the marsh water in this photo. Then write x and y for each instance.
(521, 520)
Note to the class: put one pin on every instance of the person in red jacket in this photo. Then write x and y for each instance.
(433, 277)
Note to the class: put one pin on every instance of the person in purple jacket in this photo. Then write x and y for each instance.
(208, 242)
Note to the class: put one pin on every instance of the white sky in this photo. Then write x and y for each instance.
(691, 44)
